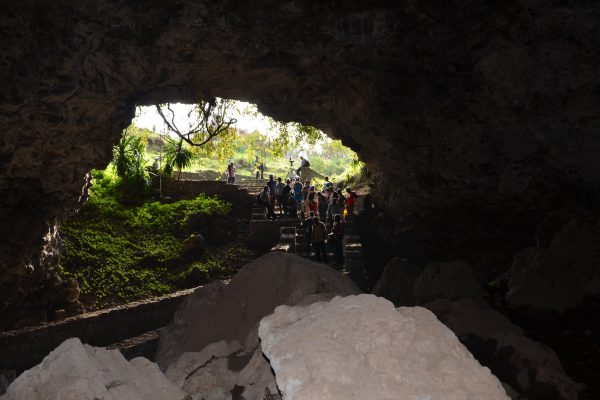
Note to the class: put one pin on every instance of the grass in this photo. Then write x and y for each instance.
(121, 253)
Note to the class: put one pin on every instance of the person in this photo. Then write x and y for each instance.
(261, 168)
(350, 200)
(279, 194)
(308, 229)
(327, 185)
(264, 198)
(322, 204)
(318, 238)
(291, 163)
(333, 208)
(292, 205)
(231, 173)
(298, 193)
(336, 240)
(312, 201)
(341, 202)
(303, 164)
(285, 195)
(272, 188)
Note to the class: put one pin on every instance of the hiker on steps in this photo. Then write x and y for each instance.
(279, 195)
(336, 240)
(230, 173)
(303, 164)
(318, 238)
(308, 230)
(264, 198)
(285, 194)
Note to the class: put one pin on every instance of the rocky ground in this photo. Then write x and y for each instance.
(281, 329)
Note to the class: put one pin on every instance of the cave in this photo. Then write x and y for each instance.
(478, 120)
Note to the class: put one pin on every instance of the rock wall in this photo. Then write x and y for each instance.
(455, 106)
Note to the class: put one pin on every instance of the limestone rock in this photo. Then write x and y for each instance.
(74, 371)
(529, 367)
(232, 311)
(361, 347)
(560, 275)
(224, 368)
(446, 280)
(397, 282)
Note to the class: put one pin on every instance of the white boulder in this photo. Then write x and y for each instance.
(74, 371)
(232, 311)
(361, 347)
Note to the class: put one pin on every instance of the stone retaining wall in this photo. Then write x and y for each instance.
(23, 348)
(188, 189)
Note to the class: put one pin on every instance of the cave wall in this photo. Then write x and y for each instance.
(453, 105)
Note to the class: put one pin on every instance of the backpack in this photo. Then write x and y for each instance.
(319, 232)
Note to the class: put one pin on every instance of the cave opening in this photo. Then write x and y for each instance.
(478, 123)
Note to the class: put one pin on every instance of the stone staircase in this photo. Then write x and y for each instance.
(292, 239)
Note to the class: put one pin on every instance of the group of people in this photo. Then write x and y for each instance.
(322, 213)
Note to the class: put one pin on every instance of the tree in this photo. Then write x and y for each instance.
(208, 119)
(178, 155)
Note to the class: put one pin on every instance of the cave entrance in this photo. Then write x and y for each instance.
(168, 214)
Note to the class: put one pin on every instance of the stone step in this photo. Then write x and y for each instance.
(286, 238)
(283, 247)
(285, 230)
(352, 239)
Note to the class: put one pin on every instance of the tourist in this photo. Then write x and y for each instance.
(341, 202)
(322, 206)
(349, 203)
(308, 230)
(327, 185)
(231, 173)
(285, 194)
(336, 240)
(304, 205)
(292, 206)
(333, 208)
(279, 194)
(303, 164)
(272, 185)
(319, 235)
(261, 168)
(298, 193)
(312, 201)
(264, 198)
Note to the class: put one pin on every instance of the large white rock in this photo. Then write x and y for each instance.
(361, 347)
(74, 371)
(232, 311)
(224, 368)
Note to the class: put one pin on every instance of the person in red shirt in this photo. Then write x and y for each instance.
(350, 200)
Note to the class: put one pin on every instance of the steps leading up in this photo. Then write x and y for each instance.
(293, 239)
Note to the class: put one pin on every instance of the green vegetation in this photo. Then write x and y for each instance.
(121, 253)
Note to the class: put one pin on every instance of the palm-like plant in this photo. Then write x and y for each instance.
(178, 155)
(129, 162)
